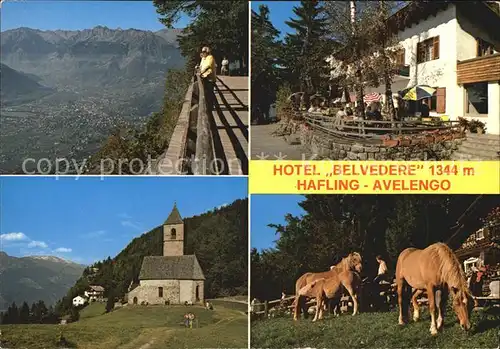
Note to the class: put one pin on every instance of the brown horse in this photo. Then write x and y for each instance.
(352, 262)
(331, 288)
(437, 271)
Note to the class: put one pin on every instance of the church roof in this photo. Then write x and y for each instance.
(171, 268)
(174, 217)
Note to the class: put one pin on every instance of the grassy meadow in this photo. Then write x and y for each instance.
(375, 330)
(136, 327)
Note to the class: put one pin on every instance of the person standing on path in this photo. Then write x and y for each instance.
(225, 67)
(208, 77)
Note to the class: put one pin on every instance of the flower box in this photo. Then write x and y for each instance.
(390, 143)
(405, 142)
(429, 139)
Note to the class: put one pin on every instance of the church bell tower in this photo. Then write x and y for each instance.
(173, 234)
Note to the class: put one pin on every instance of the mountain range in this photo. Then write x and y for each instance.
(35, 278)
(93, 58)
(63, 92)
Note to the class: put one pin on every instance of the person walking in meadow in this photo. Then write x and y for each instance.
(208, 77)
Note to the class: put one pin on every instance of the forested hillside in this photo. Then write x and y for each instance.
(219, 238)
(335, 225)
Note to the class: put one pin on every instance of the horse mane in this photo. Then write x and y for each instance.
(449, 267)
(348, 263)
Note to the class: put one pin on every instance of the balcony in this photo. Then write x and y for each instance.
(403, 70)
(479, 69)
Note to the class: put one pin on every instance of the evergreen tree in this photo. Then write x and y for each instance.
(110, 304)
(24, 314)
(306, 50)
(221, 25)
(13, 314)
(265, 58)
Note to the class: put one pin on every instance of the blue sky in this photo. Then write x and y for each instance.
(78, 15)
(279, 12)
(266, 209)
(89, 219)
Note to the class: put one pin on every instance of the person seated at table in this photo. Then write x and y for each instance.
(376, 115)
(369, 113)
(358, 114)
(424, 109)
(368, 110)
(341, 113)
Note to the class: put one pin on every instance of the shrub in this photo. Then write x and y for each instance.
(283, 103)
(475, 124)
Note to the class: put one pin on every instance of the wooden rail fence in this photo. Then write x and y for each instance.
(267, 306)
(371, 129)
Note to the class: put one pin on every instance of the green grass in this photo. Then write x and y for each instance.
(92, 310)
(230, 304)
(374, 330)
(133, 327)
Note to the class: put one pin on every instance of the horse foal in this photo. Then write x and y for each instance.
(331, 288)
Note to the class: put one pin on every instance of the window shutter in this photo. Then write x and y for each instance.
(436, 47)
(441, 100)
(419, 52)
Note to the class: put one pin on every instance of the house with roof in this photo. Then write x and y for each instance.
(174, 278)
(78, 301)
(95, 293)
(453, 46)
(481, 248)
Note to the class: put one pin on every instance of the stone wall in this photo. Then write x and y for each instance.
(173, 247)
(326, 147)
(175, 291)
(148, 292)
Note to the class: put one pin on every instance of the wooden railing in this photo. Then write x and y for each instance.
(479, 69)
(205, 149)
(267, 306)
(192, 137)
(371, 129)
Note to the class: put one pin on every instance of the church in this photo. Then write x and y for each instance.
(174, 278)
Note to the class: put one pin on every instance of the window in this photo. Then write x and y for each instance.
(476, 98)
(173, 234)
(431, 102)
(437, 102)
(484, 48)
(428, 50)
(160, 292)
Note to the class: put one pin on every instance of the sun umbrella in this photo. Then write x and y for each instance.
(417, 92)
(372, 97)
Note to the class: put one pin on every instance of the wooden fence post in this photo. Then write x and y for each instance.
(266, 309)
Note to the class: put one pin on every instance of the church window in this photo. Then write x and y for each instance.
(160, 292)
(173, 234)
